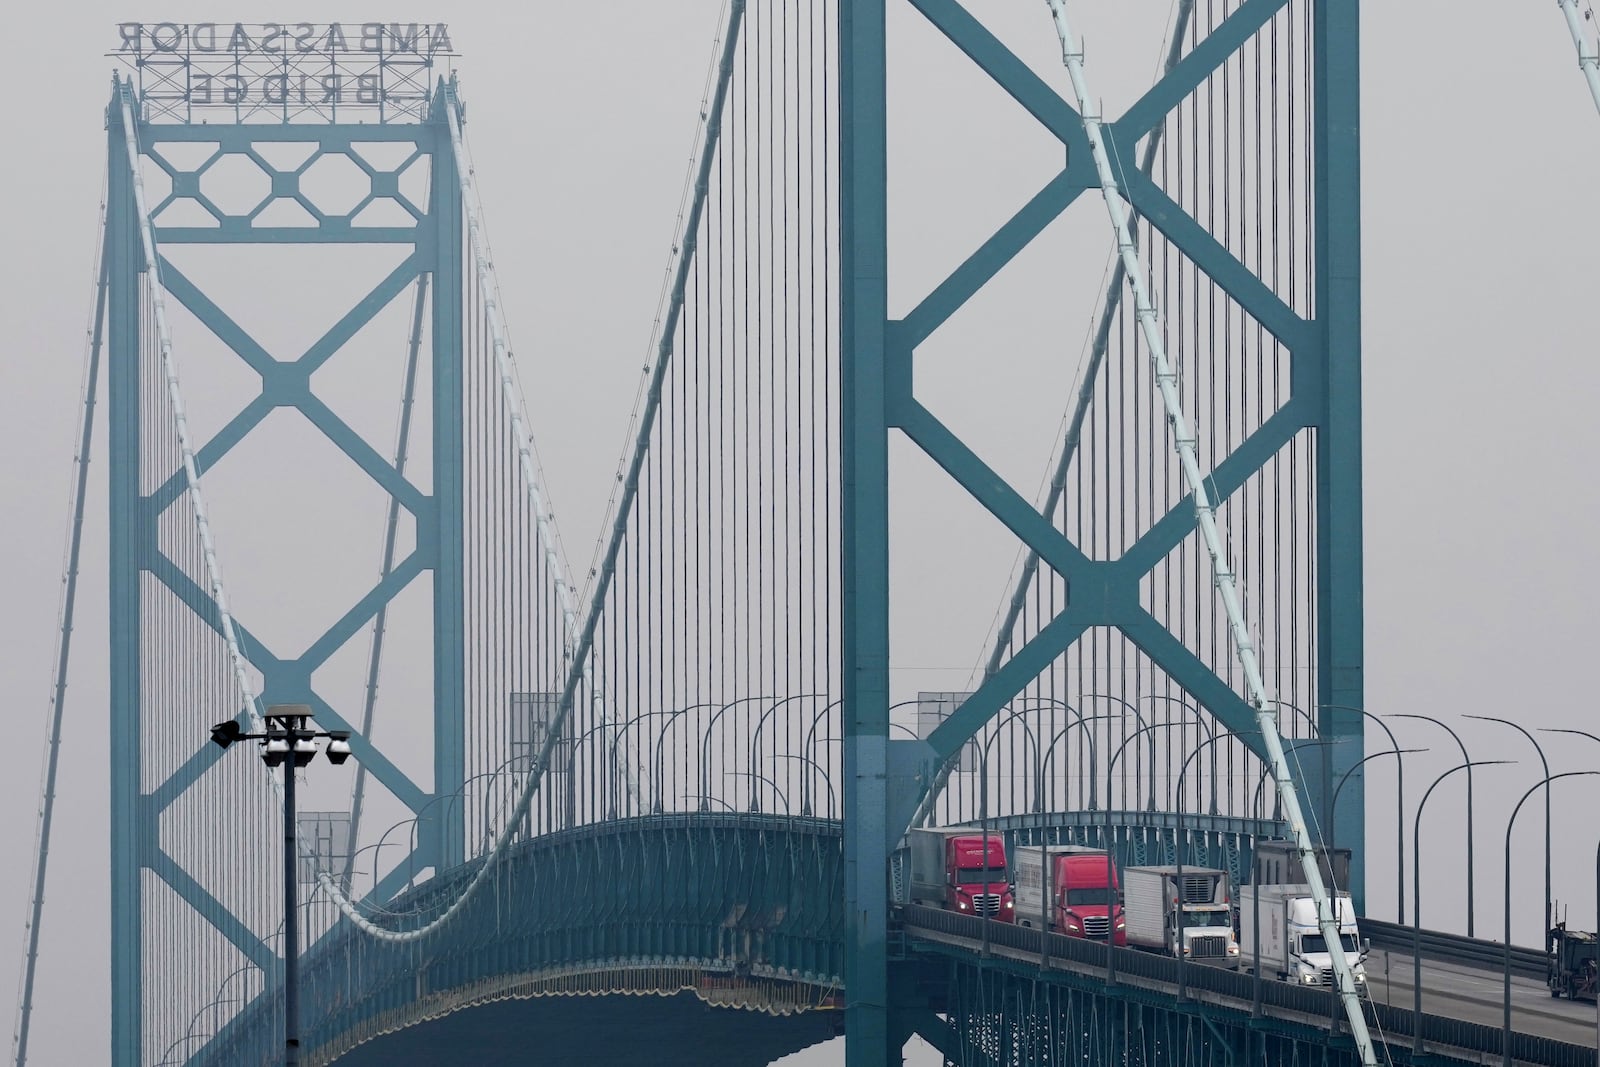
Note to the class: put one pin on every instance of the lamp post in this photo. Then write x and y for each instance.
(1056, 702)
(289, 742)
(805, 802)
(1178, 852)
(1333, 809)
(1143, 727)
(1088, 735)
(1111, 765)
(1468, 764)
(1505, 1021)
(1416, 895)
(1547, 946)
(1545, 764)
(1211, 737)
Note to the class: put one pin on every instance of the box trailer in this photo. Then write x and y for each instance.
(1158, 902)
(1292, 945)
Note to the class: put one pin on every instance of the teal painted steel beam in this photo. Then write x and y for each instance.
(388, 587)
(1340, 603)
(1227, 478)
(213, 318)
(448, 518)
(989, 489)
(997, 690)
(990, 257)
(238, 231)
(287, 681)
(351, 322)
(213, 911)
(864, 526)
(1197, 679)
(209, 454)
(1193, 69)
(125, 517)
(1008, 72)
(189, 772)
(380, 470)
(1207, 253)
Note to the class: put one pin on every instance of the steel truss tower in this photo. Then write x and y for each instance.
(144, 792)
(884, 778)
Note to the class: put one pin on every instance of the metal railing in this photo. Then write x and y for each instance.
(1280, 998)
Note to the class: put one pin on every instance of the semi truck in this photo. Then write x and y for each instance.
(1159, 901)
(1574, 966)
(1292, 944)
(960, 868)
(1085, 899)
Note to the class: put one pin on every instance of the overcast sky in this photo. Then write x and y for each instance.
(1479, 143)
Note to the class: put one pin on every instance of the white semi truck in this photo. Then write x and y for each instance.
(1158, 901)
(1292, 945)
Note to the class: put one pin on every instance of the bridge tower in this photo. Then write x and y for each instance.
(1314, 329)
(370, 101)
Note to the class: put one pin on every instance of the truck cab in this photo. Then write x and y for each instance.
(960, 869)
(1292, 944)
(1085, 896)
(1089, 899)
(977, 880)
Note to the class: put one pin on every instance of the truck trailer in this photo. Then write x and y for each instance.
(959, 868)
(1085, 898)
(1292, 945)
(1159, 901)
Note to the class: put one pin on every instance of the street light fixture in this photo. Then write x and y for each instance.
(1505, 1029)
(1468, 763)
(1416, 893)
(290, 739)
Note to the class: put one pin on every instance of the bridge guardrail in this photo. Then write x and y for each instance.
(1390, 1023)
(1457, 948)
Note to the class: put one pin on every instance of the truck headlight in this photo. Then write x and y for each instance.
(961, 904)
(1122, 926)
(1233, 950)
(1011, 903)
(1309, 978)
(1360, 978)
(1074, 926)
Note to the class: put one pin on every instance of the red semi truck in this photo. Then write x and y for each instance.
(1083, 889)
(961, 869)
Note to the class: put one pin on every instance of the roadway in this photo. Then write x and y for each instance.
(1477, 995)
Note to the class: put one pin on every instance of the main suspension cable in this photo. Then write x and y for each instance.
(1588, 56)
(93, 337)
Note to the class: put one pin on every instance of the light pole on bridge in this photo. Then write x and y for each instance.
(1545, 764)
(1505, 1027)
(1416, 894)
(1111, 950)
(1468, 764)
(291, 743)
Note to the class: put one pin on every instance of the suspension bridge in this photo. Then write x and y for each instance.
(649, 804)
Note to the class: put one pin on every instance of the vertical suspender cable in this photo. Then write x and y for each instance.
(1086, 388)
(1205, 513)
(180, 420)
(1588, 56)
(489, 288)
(379, 623)
(69, 592)
(582, 648)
